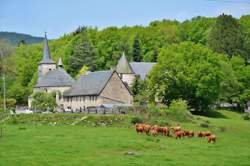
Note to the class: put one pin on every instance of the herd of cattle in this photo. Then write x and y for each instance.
(175, 131)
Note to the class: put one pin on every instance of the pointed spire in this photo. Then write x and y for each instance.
(60, 63)
(123, 67)
(46, 52)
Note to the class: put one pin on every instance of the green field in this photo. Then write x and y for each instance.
(25, 143)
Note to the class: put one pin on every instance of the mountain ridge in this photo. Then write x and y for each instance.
(13, 38)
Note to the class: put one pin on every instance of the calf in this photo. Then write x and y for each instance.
(211, 138)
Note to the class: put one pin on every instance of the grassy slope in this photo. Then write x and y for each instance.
(78, 145)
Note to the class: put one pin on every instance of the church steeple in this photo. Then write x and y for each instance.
(46, 64)
(123, 67)
(46, 53)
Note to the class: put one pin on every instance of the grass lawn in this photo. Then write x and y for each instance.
(24, 144)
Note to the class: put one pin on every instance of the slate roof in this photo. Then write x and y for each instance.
(55, 78)
(123, 66)
(142, 68)
(90, 84)
(46, 53)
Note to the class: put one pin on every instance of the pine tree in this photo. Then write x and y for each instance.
(136, 50)
(226, 36)
(83, 54)
(155, 55)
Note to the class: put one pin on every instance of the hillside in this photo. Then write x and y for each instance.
(14, 38)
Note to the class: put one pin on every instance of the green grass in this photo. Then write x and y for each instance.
(43, 144)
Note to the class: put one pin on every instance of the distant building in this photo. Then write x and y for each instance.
(128, 71)
(94, 89)
(247, 109)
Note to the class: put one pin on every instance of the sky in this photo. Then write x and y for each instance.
(58, 17)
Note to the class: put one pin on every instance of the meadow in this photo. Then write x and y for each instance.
(51, 142)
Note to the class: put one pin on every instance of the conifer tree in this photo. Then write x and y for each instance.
(226, 36)
(83, 54)
(136, 50)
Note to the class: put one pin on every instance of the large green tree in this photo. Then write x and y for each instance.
(226, 37)
(187, 71)
(83, 54)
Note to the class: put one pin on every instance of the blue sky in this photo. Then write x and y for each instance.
(63, 16)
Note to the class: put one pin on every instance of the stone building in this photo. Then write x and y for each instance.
(128, 71)
(93, 89)
(96, 89)
(51, 77)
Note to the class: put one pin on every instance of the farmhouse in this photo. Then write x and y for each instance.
(92, 89)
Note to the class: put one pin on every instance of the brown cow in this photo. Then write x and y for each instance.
(179, 134)
(139, 129)
(153, 132)
(176, 128)
(165, 131)
(203, 133)
(211, 138)
(188, 133)
(146, 128)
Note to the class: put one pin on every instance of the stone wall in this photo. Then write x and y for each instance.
(44, 68)
(116, 91)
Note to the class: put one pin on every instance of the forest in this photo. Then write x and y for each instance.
(203, 60)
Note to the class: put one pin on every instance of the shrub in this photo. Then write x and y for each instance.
(178, 110)
(136, 119)
(205, 125)
(246, 116)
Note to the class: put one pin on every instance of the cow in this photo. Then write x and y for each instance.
(211, 138)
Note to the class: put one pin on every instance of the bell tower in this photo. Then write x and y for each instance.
(46, 64)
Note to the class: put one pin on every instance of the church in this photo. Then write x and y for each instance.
(92, 89)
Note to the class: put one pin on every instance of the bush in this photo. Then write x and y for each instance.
(246, 116)
(205, 125)
(136, 119)
(178, 110)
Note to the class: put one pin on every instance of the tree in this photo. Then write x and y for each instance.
(226, 37)
(43, 101)
(83, 70)
(242, 73)
(83, 54)
(136, 86)
(136, 50)
(186, 71)
(21, 42)
(196, 29)
(155, 55)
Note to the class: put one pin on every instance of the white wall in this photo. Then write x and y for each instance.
(128, 78)
(44, 68)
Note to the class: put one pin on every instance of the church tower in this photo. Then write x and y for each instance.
(46, 64)
(125, 71)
